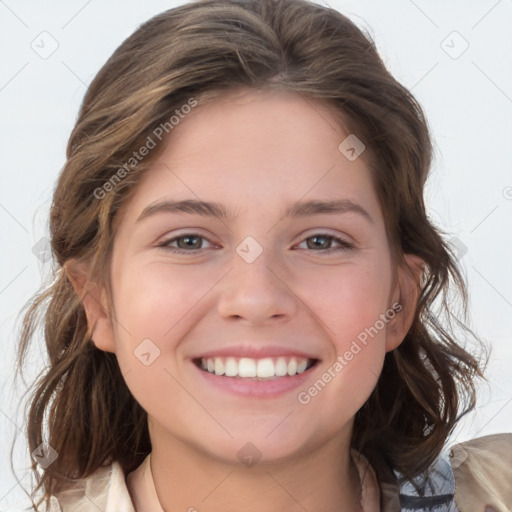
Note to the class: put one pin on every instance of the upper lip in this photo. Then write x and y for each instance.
(255, 352)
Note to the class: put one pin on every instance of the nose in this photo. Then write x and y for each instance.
(257, 292)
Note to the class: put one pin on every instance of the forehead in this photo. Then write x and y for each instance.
(254, 149)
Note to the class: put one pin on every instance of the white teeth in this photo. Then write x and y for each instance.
(246, 367)
(231, 367)
(301, 367)
(292, 366)
(219, 366)
(281, 367)
(266, 368)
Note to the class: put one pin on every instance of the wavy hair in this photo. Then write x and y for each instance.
(80, 403)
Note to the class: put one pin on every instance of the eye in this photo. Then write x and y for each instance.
(321, 242)
(191, 242)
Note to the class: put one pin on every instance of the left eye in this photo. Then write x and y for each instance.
(320, 240)
(191, 242)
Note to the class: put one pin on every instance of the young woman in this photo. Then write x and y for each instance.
(250, 306)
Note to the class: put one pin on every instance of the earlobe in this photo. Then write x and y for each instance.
(93, 298)
(406, 293)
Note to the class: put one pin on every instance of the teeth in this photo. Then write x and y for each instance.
(246, 367)
(266, 368)
(301, 367)
(219, 366)
(281, 367)
(231, 367)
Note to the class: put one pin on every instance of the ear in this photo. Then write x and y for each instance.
(94, 301)
(406, 294)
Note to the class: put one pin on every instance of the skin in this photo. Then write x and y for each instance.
(255, 153)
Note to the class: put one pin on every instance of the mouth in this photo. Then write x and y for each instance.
(255, 369)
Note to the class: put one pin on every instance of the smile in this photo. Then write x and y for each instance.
(267, 368)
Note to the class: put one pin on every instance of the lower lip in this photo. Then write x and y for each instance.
(256, 388)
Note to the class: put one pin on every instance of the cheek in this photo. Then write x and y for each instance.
(348, 298)
(157, 304)
(351, 302)
(154, 299)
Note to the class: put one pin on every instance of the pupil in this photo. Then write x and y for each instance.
(186, 240)
(316, 238)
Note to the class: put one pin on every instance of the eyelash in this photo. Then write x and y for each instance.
(345, 246)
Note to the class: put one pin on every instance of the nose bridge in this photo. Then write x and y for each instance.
(254, 288)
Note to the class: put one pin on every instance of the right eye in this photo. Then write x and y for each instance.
(186, 244)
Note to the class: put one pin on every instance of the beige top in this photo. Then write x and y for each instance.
(142, 488)
(145, 499)
(482, 468)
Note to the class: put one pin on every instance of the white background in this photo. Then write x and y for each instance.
(468, 101)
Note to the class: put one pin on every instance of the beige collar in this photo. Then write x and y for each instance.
(141, 486)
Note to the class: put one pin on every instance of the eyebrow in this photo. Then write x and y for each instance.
(212, 209)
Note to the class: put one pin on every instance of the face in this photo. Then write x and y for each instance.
(256, 290)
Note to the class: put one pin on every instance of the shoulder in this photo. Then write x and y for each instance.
(473, 476)
(483, 473)
(104, 490)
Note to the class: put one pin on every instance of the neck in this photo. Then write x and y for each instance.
(186, 479)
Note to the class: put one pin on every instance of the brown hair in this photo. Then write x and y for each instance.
(201, 50)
